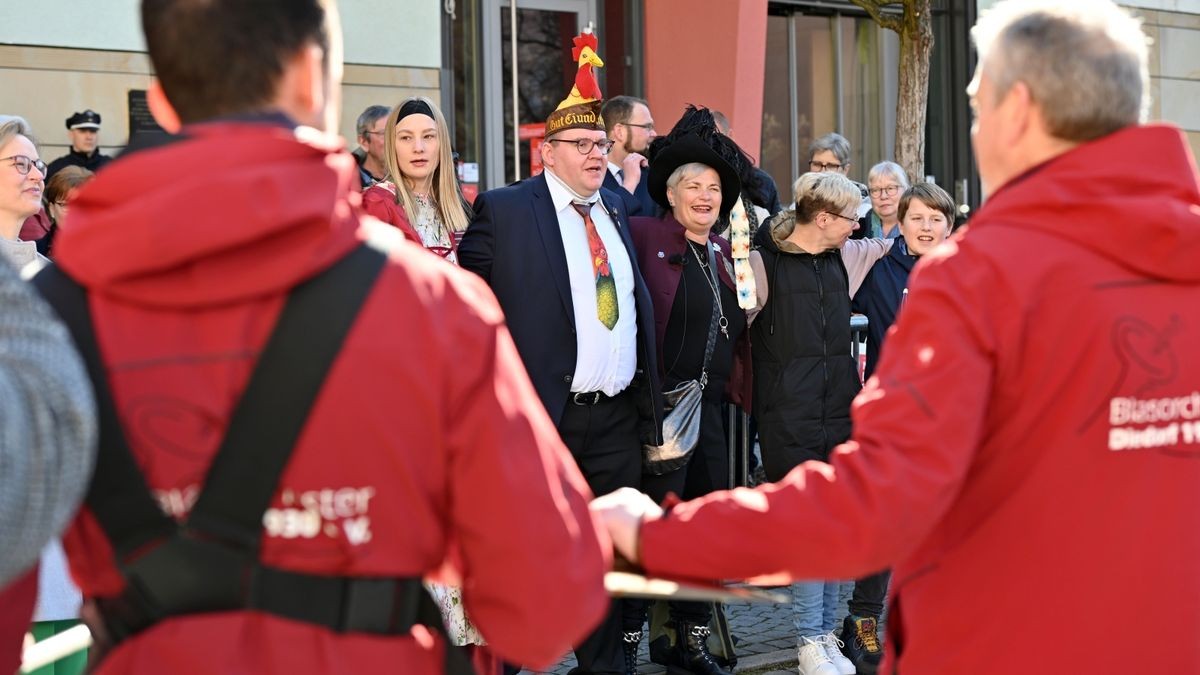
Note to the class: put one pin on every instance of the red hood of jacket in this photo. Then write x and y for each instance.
(280, 235)
(1161, 236)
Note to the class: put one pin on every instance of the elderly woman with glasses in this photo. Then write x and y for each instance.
(886, 181)
(22, 180)
(831, 152)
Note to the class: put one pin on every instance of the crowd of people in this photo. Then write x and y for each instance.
(322, 448)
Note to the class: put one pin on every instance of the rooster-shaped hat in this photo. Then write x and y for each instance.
(580, 109)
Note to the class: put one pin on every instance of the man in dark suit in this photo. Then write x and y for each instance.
(557, 252)
(630, 127)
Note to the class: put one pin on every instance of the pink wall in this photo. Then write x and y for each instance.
(710, 53)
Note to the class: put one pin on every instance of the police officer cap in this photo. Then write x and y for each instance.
(88, 119)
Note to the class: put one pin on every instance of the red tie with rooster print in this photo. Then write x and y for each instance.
(606, 287)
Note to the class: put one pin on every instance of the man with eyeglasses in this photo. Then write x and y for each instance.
(630, 127)
(370, 127)
(556, 250)
(1033, 500)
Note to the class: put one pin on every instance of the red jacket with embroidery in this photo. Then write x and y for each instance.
(427, 444)
(1027, 456)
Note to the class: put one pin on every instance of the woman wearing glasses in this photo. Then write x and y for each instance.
(804, 374)
(22, 180)
(885, 183)
(420, 194)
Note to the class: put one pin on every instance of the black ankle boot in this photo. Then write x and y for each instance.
(630, 641)
(691, 652)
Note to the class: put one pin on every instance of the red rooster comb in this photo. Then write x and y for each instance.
(583, 40)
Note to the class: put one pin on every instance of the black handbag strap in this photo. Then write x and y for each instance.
(714, 324)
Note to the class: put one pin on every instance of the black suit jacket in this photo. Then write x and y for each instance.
(514, 243)
(637, 204)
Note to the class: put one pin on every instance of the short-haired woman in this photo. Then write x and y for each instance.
(420, 194)
(22, 180)
(804, 374)
(700, 334)
(885, 182)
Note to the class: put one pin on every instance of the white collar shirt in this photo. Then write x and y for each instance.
(605, 359)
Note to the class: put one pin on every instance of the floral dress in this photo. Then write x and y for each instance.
(435, 235)
(458, 627)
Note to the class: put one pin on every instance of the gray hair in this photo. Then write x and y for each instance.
(369, 117)
(684, 172)
(12, 126)
(835, 143)
(829, 191)
(1085, 63)
(886, 170)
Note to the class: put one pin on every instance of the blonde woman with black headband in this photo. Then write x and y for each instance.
(420, 193)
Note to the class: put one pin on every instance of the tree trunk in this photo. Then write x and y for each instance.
(916, 44)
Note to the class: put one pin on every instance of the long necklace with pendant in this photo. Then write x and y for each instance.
(722, 322)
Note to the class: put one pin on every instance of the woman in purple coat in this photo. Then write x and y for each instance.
(690, 276)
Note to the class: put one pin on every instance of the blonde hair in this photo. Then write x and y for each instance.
(445, 193)
(825, 191)
(684, 172)
(816, 192)
(12, 126)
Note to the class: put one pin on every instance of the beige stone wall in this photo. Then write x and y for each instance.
(46, 84)
(1175, 69)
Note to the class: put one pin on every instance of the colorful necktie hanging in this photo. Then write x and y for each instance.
(606, 288)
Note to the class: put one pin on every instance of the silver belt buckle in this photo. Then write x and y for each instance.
(586, 397)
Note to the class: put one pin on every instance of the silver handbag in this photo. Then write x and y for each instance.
(681, 426)
(681, 430)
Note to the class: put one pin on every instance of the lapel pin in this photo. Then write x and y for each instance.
(661, 254)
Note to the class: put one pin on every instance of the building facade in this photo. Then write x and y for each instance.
(783, 71)
(61, 56)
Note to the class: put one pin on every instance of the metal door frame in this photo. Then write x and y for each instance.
(494, 149)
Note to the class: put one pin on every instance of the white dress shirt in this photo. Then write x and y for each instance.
(605, 359)
(615, 171)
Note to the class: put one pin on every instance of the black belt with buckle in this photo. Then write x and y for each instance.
(589, 397)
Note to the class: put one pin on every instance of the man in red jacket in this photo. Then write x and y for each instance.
(1028, 453)
(426, 452)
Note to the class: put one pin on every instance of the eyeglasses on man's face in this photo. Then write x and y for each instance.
(24, 164)
(585, 145)
(885, 191)
(853, 221)
(649, 126)
(824, 166)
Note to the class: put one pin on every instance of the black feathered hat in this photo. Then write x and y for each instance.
(686, 149)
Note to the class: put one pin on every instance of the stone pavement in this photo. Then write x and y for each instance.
(765, 637)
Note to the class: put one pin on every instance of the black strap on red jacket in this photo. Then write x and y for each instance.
(211, 562)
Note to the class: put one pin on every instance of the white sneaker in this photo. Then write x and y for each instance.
(833, 649)
(813, 658)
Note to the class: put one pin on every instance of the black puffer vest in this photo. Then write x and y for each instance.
(804, 375)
